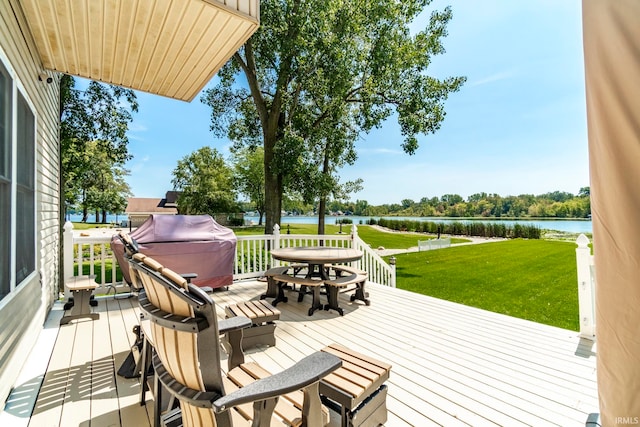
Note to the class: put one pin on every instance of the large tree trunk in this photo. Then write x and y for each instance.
(322, 206)
(323, 197)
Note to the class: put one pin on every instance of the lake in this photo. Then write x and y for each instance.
(569, 225)
(92, 217)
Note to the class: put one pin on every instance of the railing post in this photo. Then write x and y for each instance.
(276, 236)
(276, 243)
(67, 268)
(586, 288)
(392, 264)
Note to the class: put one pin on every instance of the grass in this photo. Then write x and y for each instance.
(97, 271)
(86, 225)
(393, 240)
(530, 279)
(374, 237)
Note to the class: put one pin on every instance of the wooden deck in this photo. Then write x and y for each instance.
(452, 365)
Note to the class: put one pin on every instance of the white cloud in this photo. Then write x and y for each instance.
(378, 151)
(502, 75)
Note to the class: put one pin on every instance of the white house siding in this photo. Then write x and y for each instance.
(22, 313)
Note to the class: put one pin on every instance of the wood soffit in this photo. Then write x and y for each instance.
(164, 47)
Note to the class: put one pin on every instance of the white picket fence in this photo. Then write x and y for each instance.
(586, 288)
(431, 244)
(252, 259)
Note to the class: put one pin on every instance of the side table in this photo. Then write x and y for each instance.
(81, 288)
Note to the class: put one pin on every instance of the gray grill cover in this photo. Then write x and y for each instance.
(185, 244)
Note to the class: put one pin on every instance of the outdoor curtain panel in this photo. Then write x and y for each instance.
(611, 34)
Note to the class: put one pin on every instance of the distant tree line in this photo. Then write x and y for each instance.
(462, 228)
(557, 204)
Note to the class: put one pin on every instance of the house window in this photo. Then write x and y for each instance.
(17, 185)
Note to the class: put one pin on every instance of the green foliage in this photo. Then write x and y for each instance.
(550, 205)
(93, 142)
(530, 279)
(249, 176)
(103, 183)
(205, 183)
(460, 228)
(318, 74)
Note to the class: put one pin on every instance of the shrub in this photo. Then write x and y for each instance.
(461, 228)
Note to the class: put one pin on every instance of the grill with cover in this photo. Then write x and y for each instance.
(185, 244)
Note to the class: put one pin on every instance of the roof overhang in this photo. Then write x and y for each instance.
(165, 47)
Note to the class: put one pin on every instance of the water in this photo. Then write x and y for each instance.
(569, 225)
(92, 218)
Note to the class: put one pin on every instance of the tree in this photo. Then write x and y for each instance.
(319, 71)
(584, 192)
(205, 183)
(101, 183)
(249, 176)
(98, 115)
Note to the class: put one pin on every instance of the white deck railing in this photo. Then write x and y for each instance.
(586, 288)
(86, 250)
(253, 256)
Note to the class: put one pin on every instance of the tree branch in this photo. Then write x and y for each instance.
(249, 69)
(284, 73)
(345, 98)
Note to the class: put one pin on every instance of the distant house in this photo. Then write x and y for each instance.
(139, 208)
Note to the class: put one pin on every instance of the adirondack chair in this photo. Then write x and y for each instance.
(130, 249)
(187, 362)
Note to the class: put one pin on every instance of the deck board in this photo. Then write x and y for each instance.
(104, 395)
(452, 365)
(51, 398)
(122, 318)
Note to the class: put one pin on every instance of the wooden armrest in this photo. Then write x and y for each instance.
(233, 324)
(307, 371)
(189, 276)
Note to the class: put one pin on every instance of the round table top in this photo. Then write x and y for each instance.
(317, 254)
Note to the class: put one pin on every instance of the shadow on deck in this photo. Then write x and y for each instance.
(452, 365)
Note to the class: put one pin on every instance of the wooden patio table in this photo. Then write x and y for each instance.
(317, 258)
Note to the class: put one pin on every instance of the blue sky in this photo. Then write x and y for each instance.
(517, 126)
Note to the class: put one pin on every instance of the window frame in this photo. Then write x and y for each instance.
(18, 90)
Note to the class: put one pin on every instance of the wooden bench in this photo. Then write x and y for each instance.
(81, 288)
(272, 286)
(262, 316)
(304, 282)
(353, 276)
(356, 390)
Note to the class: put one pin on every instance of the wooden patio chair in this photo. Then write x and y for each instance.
(130, 249)
(187, 362)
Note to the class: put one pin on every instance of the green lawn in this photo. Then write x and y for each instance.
(97, 271)
(529, 279)
(86, 225)
(369, 234)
